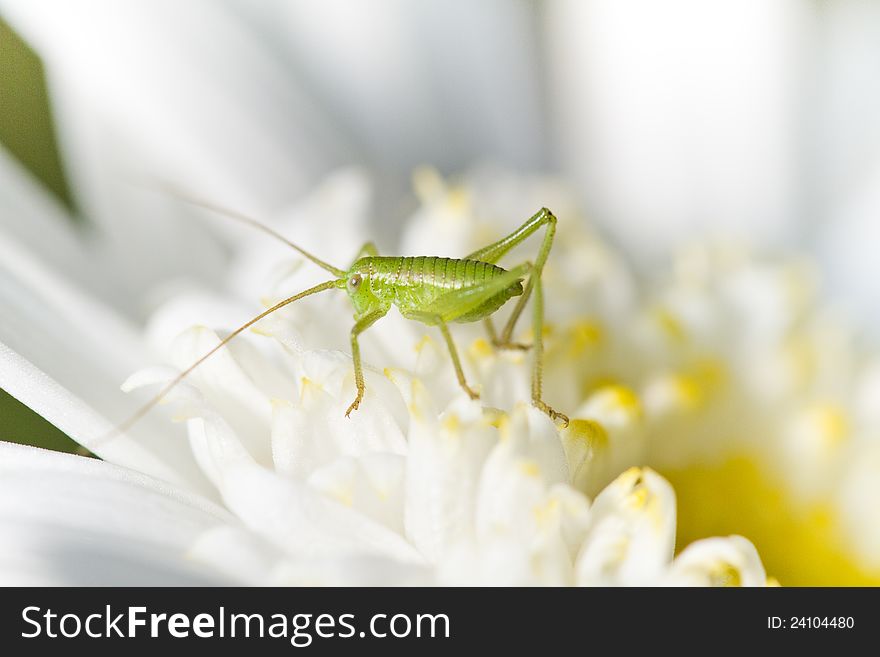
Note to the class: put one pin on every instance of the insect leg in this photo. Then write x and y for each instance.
(490, 330)
(550, 220)
(497, 342)
(495, 251)
(368, 249)
(538, 371)
(453, 352)
(538, 322)
(504, 342)
(433, 319)
(360, 326)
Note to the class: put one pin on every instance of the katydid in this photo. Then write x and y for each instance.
(432, 290)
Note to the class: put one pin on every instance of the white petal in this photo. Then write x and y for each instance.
(730, 561)
(239, 554)
(352, 571)
(32, 216)
(528, 523)
(290, 514)
(372, 484)
(538, 551)
(858, 502)
(163, 454)
(35, 554)
(229, 388)
(72, 520)
(444, 464)
(504, 376)
(605, 437)
(79, 352)
(315, 431)
(526, 461)
(571, 510)
(499, 561)
(632, 532)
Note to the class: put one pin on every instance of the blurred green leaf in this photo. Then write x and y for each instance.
(26, 127)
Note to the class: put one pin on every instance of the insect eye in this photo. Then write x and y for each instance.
(354, 282)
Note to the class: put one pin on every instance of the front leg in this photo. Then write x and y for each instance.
(360, 326)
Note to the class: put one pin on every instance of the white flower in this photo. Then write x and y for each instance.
(421, 484)
(722, 373)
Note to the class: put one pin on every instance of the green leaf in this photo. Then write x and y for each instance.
(26, 127)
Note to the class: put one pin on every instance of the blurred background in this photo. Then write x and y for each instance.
(672, 120)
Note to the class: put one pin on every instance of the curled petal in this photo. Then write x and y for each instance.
(632, 531)
(730, 561)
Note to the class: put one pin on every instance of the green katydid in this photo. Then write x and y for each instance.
(432, 290)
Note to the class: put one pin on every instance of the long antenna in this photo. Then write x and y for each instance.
(180, 377)
(238, 216)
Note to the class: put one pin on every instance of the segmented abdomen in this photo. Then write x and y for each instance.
(440, 274)
(416, 284)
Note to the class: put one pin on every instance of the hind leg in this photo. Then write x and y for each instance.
(493, 253)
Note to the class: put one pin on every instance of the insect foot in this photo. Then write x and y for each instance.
(354, 405)
(554, 415)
